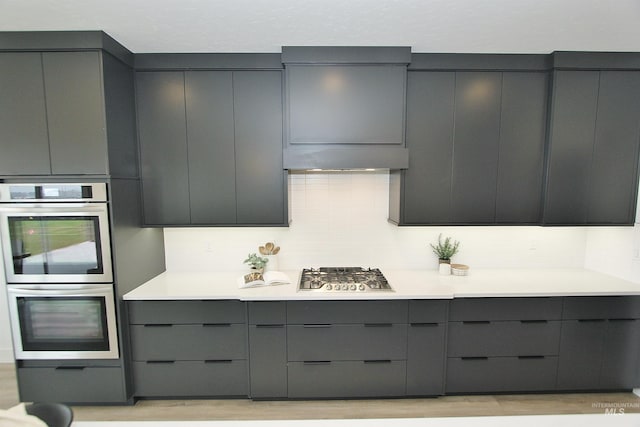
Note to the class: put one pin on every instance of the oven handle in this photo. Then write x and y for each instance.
(64, 290)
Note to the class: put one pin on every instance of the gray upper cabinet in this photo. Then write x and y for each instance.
(163, 147)
(75, 112)
(23, 122)
(57, 109)
(52, 114)
(593, 152)
(477, 147)
(211, 147)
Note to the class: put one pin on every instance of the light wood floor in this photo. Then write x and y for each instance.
(244, 409)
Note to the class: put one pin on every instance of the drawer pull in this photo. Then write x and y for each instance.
(317, 362)
(216, 325)
(160, 362)
(219, 361)
(622, 320)
(269, 326)
(534, 321)
(378, 325)
(70, 368)
(422, 325)
(475, 358)
(590, 320)
(369, 362)
(158, 325)
(530, 357)
(476, 322)
(319, 325)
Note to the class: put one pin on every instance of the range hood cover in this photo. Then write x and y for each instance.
(345, 107)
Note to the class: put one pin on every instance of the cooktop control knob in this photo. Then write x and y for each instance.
(352, 287)
(361, 287)
(328, 287)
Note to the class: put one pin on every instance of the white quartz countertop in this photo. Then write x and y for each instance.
(407, 284)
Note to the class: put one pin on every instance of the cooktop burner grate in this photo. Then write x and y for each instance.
(344, 279)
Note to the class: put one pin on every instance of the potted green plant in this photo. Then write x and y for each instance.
(445, 249)
(257, 263)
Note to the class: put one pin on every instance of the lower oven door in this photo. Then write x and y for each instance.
(63, 321)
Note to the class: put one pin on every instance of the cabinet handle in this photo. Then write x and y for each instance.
(590, 320)
(216, 325)
(622, 320)
(319, 325)
(534, 321)
(158, 325)
(423, 324)
(475, 358)
(317, 362)
(378, 325)
(269, 326)
(476, 322)
(530, 357)
(376, 361)
(158, 362)
(219, 361)
(70, 368)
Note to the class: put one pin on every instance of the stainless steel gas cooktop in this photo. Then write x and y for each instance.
(343, 279)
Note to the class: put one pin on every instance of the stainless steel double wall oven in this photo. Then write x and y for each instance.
(57, 259)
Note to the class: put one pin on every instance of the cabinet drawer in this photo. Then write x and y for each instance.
(346, 379)
(301, 312)
(423, 311)
(71, 385)
(346, 342)
(498, 374)
(267, 312)
(188, 342)
(175, 312)
(505, 309)
(180, 379)
(521, 338)
(615, 307)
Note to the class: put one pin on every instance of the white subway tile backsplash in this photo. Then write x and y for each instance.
(340, 218)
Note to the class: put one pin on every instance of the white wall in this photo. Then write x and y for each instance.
(340, 219)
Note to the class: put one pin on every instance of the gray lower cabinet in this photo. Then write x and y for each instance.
(600, 344)
(426, 347)
(503, 344)
(71, 384)
(346, 348)
(267, 349)
(593, 148)
(477, 148)
(211, 147)
(189, 348)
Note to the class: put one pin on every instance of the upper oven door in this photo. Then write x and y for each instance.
(56, 243)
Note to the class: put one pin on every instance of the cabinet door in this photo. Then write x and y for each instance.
(574, 108)
(621, 358)
(427, 182)
(521, 153)
(24, 140)
(581, 349)
(475, 149)
(209, 112)
(163, 147)
(260, 178)
(425, 359)
(613, 179)
(268, 361)
(75, 112)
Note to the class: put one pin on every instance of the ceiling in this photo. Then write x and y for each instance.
(488, 26)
